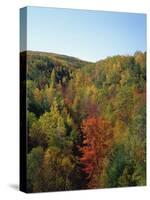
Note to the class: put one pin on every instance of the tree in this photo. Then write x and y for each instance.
(56, 170)
(52, 124)
(118, 160)
(53, 78)
(37, 136)
(34, 163)
(97, 138)
(124, 103)
(31, 118)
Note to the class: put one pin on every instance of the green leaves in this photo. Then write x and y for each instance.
(34, 163)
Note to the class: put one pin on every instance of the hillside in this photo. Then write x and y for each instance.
(58, 58)
(86, 122)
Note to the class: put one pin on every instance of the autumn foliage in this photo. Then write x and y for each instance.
(98, 136)
(86, 122)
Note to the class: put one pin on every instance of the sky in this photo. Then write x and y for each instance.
(88, 35)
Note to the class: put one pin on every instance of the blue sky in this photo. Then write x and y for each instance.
(88, 35)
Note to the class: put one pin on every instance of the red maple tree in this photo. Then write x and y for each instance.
(97, 137)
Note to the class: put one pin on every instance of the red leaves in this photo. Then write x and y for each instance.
(97, 134)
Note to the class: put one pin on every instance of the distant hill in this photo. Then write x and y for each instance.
(58, 58)
(41, 64)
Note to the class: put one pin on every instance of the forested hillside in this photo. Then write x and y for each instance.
(86, 122)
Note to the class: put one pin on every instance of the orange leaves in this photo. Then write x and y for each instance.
(97, 137)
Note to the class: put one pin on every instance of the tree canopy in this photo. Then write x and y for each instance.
(86, 122)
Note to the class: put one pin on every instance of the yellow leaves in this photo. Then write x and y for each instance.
(60, 130)
(91, 91)
(52, 122)
(140, 59)
(124, 77)
(56, 160)
(37, 95)
(75, 102)
(67, 163)
(78, 79)
(50, 94)
(69, 120)
(120, 131)
(47, 157)
(50, 156)
(53, 77)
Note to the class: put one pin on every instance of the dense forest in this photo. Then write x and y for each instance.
(86, 122)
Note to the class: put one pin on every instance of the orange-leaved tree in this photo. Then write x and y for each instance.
(97, 139)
